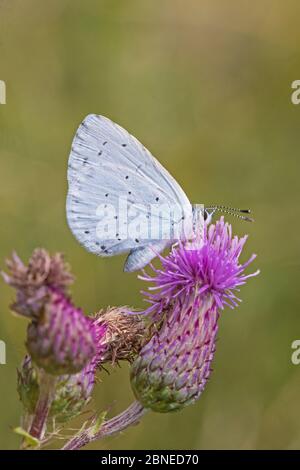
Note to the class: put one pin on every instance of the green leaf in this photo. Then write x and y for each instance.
(30, 441)
(98, 423)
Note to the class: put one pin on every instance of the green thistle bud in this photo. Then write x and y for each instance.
(172, 369)
(72, 392)
(28, 385)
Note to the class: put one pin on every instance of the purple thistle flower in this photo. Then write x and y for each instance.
(192, 285)
(213, 268)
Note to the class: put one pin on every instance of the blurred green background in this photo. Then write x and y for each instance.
(206, 86)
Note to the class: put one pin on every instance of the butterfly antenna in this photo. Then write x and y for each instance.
(232, 211)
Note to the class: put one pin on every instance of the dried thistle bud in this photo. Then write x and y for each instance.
(124, 334)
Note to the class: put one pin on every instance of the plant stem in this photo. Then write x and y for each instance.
(38, 425)
(130, 416)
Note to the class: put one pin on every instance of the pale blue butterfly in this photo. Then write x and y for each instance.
(108, 165)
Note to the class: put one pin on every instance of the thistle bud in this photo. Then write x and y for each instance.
(192, 286)
(172, 369)
(33, 282)
(119, 336)
(72, 392)
(62, 340)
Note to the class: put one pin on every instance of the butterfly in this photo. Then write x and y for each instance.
(122, 200)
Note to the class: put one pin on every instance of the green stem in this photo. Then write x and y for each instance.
(38, 425)
(131, 416)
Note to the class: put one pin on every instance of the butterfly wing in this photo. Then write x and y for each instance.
(140, 257)
(109, 167)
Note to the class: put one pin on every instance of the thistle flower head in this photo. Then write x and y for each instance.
(212, 268)
(190, 288)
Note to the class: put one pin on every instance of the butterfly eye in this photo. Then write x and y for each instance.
(208, 215)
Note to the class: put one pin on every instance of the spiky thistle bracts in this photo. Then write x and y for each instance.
(62, 340)
(172, 369)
